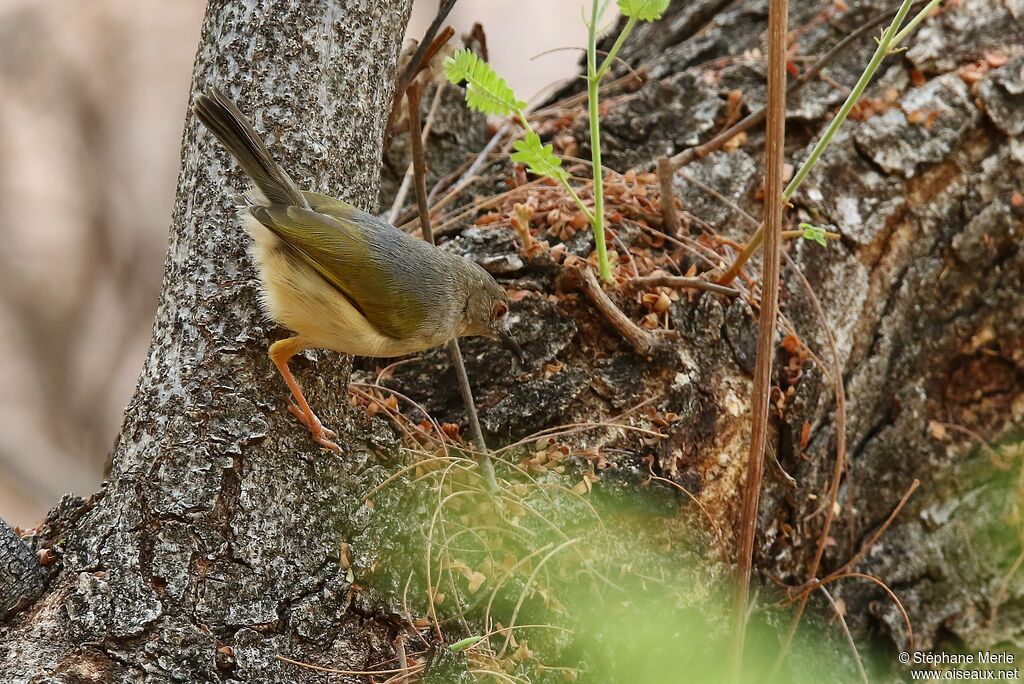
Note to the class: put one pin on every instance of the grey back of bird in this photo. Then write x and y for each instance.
(404, 286)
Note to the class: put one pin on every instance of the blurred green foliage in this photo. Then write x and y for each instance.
(610, 579)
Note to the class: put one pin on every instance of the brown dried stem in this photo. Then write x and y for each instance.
(403, 664)
(680, 282)
(847, 634)
(642, 341)
(427, 48)
(774, 205)
(669, 217)
(420, 183)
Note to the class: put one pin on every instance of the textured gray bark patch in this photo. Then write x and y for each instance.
(951, 39)
(21, 577)
(730, 174)
(898, 145)
(1002, 93)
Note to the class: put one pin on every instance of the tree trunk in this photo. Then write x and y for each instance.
(220, 523)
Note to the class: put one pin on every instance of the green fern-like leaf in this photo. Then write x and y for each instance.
(486, 91)
(644, 10)
(541, 160)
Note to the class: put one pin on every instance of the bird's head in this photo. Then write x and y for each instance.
(486, 311)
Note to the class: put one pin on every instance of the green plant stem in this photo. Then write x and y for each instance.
(885, 47)
(593, 112)
(610, 57)
(576, 198)
(912, 24)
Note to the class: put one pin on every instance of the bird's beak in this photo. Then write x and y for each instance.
(509, 342)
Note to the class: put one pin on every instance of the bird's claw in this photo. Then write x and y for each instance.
(321, 435)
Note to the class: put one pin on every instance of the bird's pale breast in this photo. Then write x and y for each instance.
(297, 297)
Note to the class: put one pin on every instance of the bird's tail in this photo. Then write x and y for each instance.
(219, 114)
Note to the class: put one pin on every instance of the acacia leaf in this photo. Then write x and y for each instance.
(644, 10)
(539, 159)
(486, 91)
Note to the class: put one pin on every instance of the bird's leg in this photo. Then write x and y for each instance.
(280, 352)
(297, 412)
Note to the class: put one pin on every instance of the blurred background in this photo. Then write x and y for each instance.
(90, 128)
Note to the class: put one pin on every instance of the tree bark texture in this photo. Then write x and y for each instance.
(220, 523)
(923, 293)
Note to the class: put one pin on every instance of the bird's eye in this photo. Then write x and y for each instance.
(500, 309)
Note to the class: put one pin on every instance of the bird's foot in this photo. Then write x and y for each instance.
(321, 435)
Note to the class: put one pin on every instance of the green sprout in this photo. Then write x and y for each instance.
(814, 233)
(540, 159)
(463, 644)
(488, 93)
(634, 11)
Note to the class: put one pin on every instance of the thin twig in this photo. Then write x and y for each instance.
(885, 587)
(442, 438)
(642, 341)
(403, 189)
(846, 632)
(319, 668)
(526, 589)
(403, 664)
(680, 282)
(474, 421)
(412, 67)
(873, 539)
(419, 162)
(775, 135)
(452, 221)
(669, 217)
(420, 182)
(866, 547)
(614, 421)
(573, 101)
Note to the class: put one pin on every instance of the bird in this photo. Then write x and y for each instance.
(343, 279)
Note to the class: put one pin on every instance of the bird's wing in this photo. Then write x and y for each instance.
(329, 205)
(340, 250)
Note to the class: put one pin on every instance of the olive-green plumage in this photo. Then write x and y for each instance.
(344, 279)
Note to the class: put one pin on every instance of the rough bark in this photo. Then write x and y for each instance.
(220, 523)
(21, 575)
(923, 293)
